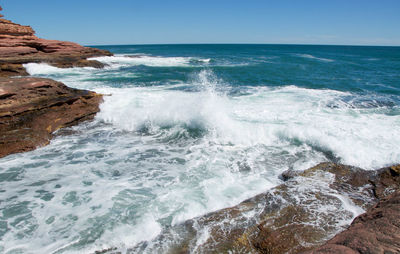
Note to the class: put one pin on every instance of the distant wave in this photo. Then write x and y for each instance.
(152, 61)
(314, 57)
(372, 59)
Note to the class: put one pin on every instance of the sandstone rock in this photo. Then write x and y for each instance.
(376, 231)
(9, 28)
(19, 45)
(7, 70)
(31, 109)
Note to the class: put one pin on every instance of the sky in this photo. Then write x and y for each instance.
(106, 22)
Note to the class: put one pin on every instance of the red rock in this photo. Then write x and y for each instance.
(19, 45)
(31, 109)
(7, 70)
(12, 51)
(376, 231)
(9, 28)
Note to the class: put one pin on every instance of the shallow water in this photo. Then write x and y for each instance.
(189, 129)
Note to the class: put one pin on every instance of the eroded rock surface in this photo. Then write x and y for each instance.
(31, 109)
(19, 45)
(376, 231)
(302, 213)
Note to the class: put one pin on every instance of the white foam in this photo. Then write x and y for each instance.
(153, 61)
(46, 69)
(314, 57)
(265, 117)
(207, 60)
(308, 193)
(125, 236)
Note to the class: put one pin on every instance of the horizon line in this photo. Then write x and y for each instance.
(230, 43)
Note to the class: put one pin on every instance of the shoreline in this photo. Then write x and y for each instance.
(280, 224)
(31, 109)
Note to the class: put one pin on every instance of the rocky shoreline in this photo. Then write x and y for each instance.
(285, 219)
(31, 109)
(292, 219)
(377, 231)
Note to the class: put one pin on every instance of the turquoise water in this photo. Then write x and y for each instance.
(189, 129)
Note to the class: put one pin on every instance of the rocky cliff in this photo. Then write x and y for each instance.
(19, 45)
(31, 109)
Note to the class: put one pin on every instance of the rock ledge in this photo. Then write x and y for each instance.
(31, 109)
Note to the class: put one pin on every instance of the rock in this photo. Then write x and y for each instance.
(288, 174)
(19, 45)
(31, 109)
(302, 213)
(7, 70)
(376, 231)
(9, 28)
(108, 251)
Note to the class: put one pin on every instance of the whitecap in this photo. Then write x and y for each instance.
(147, 60)
(308, 56)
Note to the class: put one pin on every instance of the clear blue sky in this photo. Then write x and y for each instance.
(96, 22)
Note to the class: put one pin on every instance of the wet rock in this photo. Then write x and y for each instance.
(288, 174)
(31, 109)
(376, 231)
(108, 251)
(308, 209)
(19, 45)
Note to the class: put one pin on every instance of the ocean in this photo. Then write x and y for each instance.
(185, 130)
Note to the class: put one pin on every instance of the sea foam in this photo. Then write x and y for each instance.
(152, 61)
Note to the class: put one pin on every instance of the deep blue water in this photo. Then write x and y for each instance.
(343, 68)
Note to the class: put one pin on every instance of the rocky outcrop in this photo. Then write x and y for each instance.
(19, 45)
(31, 109)
(376, 231)
(302, 213)
(362, 188)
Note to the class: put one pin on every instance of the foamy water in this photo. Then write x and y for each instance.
(162, 152)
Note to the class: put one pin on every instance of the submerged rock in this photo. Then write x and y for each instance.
(306, 210)
(19, 45)
(31, 109)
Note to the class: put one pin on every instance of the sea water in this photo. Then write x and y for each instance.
(189, 129)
